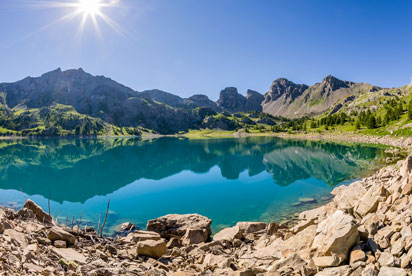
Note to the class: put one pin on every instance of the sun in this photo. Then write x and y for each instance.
(89, 7)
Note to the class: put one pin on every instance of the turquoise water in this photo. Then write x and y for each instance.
(227, 180)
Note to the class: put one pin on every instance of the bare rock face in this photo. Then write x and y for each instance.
(336, 235)
(151, 248)
(37, 211)
(176, 225)
(57, 233)
(232, 101)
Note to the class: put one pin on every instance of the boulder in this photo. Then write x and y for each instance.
(347, 196)
(369, 202)
(386, 259)
(60, 244)
(57, 233)
(37, 211)
(407, 189)
(127, 227)
(219, 261)
(229, 234)
(291, 261)
(335, 271)
(69, 254)
(15, 237)
(250, 227)
(151, 248)
(357, 255)
(195, 236)
(392, 271)
(336, 235)
(406, 167)
(176, 225)
(326, 261)
(140, 235)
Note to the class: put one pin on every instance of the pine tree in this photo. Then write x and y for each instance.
(357, 125)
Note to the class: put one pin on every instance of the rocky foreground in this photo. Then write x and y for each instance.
(366, 230)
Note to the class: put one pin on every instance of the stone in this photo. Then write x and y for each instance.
(57, 233)
(40, 215)
(386, 259)
(69, 254)
(347, 196)
(369, 271)
(406, 167)
(335, 235)
(407, 189)
(176, 225)
(151, 248)
(229, 234)
(398, 247)
(127, 227)
(335, 271)
(195, 236)
(211, 260)
(392, 271)
(292, 260)
(369, 202)
(174, 242)
(326, 261)
(251, 227)
(15, 237)
(60, 244)
(140, 235)
(357, 255)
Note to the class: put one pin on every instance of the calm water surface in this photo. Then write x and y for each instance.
(227, 180)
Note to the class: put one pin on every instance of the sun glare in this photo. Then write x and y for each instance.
(89, 7)
(89, 11)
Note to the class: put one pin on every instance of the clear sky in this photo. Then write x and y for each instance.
(201, 46)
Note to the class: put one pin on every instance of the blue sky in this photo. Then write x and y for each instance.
(201, 46)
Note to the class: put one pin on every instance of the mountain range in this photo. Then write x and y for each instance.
(97, 104)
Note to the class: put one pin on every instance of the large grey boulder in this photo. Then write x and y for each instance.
(335, 236)
(177, 225)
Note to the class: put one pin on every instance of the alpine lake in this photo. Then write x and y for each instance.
(228, 180)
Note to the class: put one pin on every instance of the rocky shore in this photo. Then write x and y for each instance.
(365, 230)
(400, 142)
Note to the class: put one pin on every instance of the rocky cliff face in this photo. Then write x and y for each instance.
(288, 99)
(232, 101)
(102, 98)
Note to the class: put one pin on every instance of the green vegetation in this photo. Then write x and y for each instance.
(57, 120)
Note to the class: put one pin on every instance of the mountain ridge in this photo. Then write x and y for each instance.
(117, 105)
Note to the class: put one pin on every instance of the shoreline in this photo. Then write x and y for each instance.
(400, 142)
(365, 229)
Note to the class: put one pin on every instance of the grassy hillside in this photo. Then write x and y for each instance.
(56, 120)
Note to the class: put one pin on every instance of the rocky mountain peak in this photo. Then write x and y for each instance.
(331, 83)
(283, 86)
